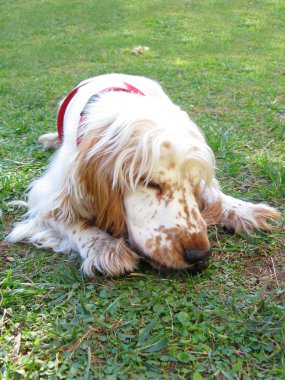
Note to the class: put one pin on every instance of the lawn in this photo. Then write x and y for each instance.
(223, 62)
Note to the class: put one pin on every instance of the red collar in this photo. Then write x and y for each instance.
(61, 112)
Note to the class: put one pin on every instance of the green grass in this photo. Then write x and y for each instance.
(222, 61)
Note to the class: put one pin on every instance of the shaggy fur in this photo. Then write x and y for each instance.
(133, 177)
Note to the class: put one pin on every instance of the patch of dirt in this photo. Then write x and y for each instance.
(261, 261)
(266, 271)
(9, 252)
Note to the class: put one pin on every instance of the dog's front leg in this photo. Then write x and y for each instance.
(234, 214)
(100, 251)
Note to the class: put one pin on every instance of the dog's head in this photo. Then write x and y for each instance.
(162, 213)
(138, 173)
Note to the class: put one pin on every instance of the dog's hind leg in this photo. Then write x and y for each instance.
(49, 140)
(236, 215)
(101, 252)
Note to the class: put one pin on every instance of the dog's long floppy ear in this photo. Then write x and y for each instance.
(89, 192)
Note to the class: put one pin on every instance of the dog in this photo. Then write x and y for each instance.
(133, 177)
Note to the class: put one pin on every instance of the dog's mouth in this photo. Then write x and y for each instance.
(197, 267)
(193, 269)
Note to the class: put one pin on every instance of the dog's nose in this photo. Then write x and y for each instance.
(193, 256)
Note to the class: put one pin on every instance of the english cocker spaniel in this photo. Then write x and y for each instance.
(133, 177)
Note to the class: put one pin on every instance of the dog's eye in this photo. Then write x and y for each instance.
(151, 185)
(154, 186)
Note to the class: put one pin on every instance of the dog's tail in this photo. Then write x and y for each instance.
(49, 140)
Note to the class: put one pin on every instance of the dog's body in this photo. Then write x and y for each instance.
(131, 167)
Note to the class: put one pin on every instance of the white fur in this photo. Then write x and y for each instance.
(147, 139)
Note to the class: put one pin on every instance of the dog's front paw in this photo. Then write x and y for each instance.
(265, 217)
(248, 217)
(111, 257)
